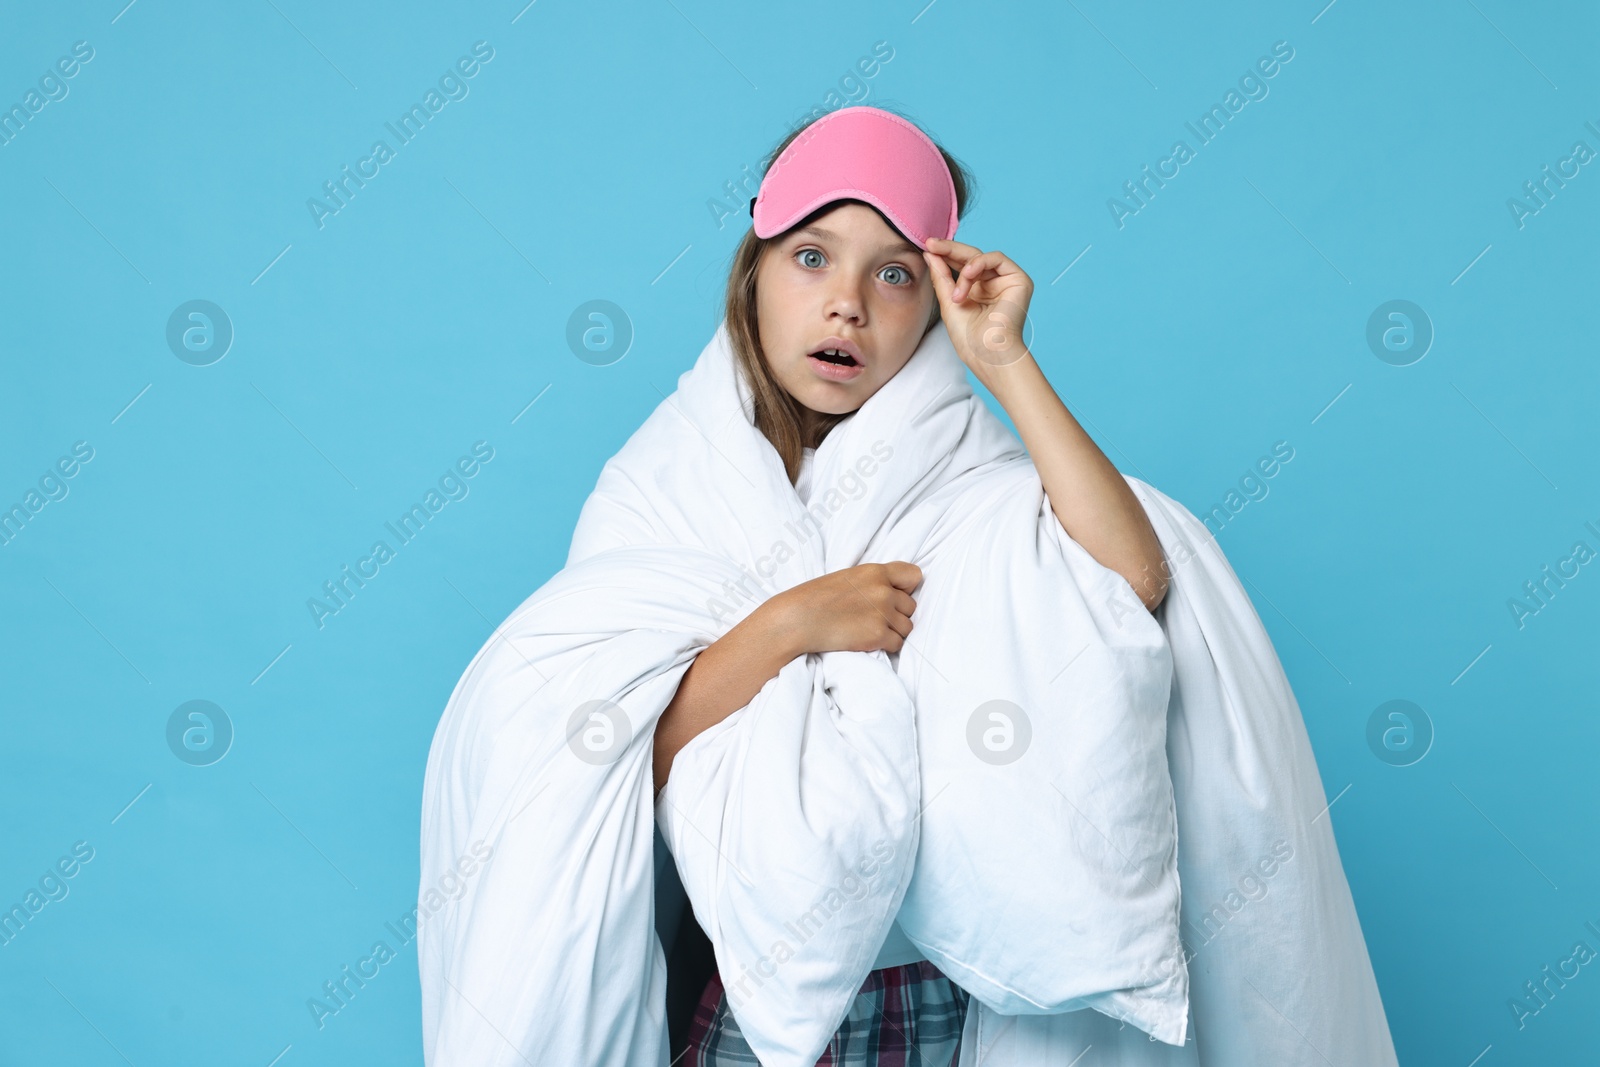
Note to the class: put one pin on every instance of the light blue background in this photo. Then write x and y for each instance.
(1228, 314)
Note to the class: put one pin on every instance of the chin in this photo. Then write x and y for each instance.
(831, 403)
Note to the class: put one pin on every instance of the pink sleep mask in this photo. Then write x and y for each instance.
(860, 153)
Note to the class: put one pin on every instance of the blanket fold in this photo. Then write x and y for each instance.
(1022, 785)
(1279, 972)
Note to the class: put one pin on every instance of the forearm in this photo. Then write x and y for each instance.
(723, 678)
(1090, 498)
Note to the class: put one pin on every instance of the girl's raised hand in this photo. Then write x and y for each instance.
(858, 609)
(984, 306)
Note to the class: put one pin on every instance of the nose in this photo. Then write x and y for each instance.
(845, 300)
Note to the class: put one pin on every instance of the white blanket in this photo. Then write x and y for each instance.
(1278, 967)
(858, 786)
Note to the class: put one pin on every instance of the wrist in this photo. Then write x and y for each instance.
(778, 626)
(1005, 379)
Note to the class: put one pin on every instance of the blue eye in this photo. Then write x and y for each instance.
(812, 259)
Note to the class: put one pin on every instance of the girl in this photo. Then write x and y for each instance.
(821, 315)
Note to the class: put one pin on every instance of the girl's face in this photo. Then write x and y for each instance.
(846, 281)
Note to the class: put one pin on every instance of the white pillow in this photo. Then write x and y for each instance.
(1046, 877)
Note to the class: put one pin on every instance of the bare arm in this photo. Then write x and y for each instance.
(983, 298)
(860, 608)
(1090, 498)
(723, 678)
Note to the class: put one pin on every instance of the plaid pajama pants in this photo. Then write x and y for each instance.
(908, 1016)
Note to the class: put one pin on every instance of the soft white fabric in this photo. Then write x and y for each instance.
(1048, 883)
(1041, 885)
(1278, 967)
(847, 792)
(897, 949)
(802, 481)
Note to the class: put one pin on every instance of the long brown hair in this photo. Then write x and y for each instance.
(777, 414)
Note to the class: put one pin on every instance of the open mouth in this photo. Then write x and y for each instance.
(836, 357)
(835, 364)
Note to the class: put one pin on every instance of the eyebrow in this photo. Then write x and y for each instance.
(901, 245)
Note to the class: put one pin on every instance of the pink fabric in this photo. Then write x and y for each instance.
(860, 153)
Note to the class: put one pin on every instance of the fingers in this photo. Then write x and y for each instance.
(899, 626)
(953, 250)
(972, 265)
(940, 270)
(980, 269)
(948, 261)
(902, 575)
(975, 272)
(890, 602)
(988, 261)
(880, 617)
